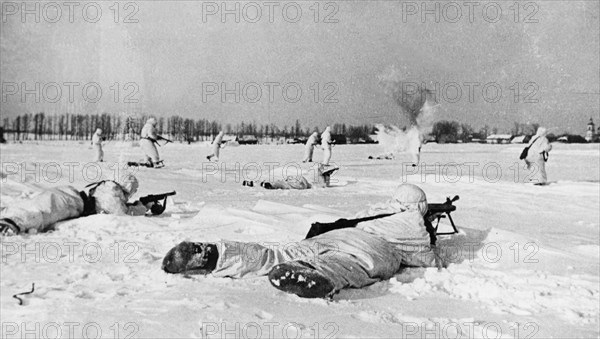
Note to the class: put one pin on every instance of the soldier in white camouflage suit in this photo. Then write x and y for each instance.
(322, 265)
(66, 202)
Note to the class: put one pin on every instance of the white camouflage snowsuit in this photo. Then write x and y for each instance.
(309, 147)
(300, 182)
(97, 145)
(326, 144)
(291, 183)
(537, 156)
(148, 141)
(65, 202)
(352, 257)
(216, 146)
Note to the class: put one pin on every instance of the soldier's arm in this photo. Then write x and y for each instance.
(137, 208)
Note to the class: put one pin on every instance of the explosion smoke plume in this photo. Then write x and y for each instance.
(412, 98)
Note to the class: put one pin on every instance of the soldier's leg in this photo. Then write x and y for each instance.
(326, 155)
(150, 151)
(230, 258)
(43, 210)
(542, 177)
(345, 258)
(217, 152)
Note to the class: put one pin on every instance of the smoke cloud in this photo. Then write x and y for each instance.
(415, 103)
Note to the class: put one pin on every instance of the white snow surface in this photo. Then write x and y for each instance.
(527, 263)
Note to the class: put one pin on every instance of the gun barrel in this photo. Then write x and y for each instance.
(156, 197)
(373, 217)
(441, 207)
(164, 195)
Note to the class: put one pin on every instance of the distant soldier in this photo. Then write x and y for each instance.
(216, 147)
(97, 145)
(310, 147)
(537, 155)
(326, 144)
(148, 143)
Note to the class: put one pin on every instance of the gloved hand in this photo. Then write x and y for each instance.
(158, 208)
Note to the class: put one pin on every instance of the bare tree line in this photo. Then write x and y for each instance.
(40, 126)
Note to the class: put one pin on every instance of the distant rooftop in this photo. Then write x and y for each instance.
(500, 136)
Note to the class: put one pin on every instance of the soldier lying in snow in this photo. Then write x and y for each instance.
(298, 182)
(65, 202)
(321, 266)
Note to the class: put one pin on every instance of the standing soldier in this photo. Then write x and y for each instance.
(149, 141)
(537, 156)
(310, 147)
(97, 145)
(326, 144)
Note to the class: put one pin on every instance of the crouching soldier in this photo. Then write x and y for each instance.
(325, 263)
(65, 202)
(309, 147)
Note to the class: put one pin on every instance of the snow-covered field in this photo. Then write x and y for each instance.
(526, 259)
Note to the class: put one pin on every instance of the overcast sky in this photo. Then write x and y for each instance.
(488, 63)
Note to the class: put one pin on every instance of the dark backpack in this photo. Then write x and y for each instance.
(526, 150)
(524, 153)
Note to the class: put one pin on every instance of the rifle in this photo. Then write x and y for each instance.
(433, 211)
(322, 227)
(439, 211)
(165, 139)
(155, 197)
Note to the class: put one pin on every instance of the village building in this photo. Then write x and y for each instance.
(591, 133)
(498, 139)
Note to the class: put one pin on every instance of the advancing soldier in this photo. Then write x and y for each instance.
(537, 155)
(216, 147)
(326, 144)
(97, 145)
(148, 142)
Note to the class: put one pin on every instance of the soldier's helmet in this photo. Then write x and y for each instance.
(130, 184)
(412, 197)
